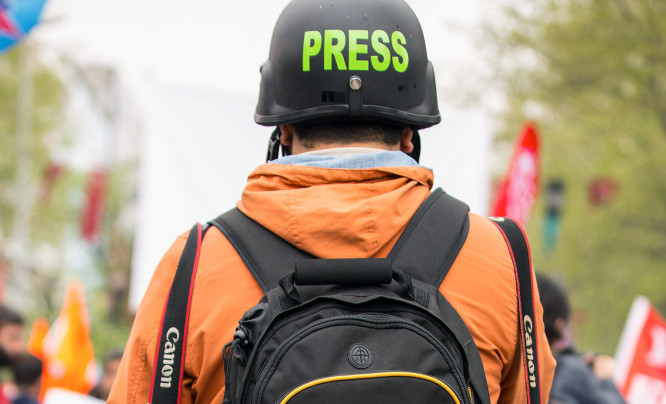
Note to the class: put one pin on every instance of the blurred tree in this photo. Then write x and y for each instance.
(592, 74)
(47, 217)
(57, 192)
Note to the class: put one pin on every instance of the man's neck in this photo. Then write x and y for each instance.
(344, 151)
(321, 148)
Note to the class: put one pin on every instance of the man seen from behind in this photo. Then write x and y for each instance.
(347, 87)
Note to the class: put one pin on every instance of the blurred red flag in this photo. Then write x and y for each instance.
(68, 352)
(518, 190)
(7, 26)
(602, 191)
(640, 370)
(52, 172)
(93, 209)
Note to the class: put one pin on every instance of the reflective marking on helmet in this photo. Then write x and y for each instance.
(331, 50)
(311, 47)
(334, 44)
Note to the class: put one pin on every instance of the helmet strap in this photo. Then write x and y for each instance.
(416, 141)
(274, 145)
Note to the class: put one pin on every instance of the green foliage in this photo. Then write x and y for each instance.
(47, 104)
(592, 74)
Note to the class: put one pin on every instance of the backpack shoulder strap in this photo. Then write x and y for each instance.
(175, 320)
(432, 239)
(267, 256)
(520, 254)
(426, 251)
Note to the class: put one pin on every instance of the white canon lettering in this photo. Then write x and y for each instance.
(169, 347)
(168, 359)
(173, 331)
(529, 351)
(167, 370)
(528, 323)
(172, 336)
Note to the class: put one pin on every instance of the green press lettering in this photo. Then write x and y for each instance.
(379, 39)
(356, 48)
(311, 47)
(334, 50)
(397, 40)
(384, 50)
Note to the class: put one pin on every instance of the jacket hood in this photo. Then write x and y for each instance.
(332, 212)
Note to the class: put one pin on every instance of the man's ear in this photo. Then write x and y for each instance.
(287, 137)
(406, 144)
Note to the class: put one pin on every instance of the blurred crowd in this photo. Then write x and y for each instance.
(580, 377)
(21, 372)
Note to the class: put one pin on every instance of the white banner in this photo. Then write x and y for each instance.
(641, 356)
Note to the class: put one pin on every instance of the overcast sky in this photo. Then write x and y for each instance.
(221, 44)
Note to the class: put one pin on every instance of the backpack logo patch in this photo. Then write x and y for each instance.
(359, 356)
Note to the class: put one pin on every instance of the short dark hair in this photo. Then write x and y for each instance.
(10, 316)
(555, 305)
(27, 369)
(348, 132)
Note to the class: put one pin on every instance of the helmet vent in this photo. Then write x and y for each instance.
(333, 96)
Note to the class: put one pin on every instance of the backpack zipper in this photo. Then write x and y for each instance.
(284, 399)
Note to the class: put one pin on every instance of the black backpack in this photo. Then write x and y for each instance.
(349, 331)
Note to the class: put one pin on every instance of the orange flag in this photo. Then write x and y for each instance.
(68, 352)
(36, 345)
(36, 340)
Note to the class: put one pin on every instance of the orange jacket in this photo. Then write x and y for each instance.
(330, 213)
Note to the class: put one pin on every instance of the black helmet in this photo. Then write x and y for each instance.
(348, 60)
